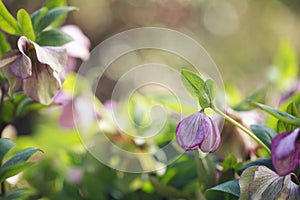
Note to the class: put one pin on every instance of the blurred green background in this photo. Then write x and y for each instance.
(242, 36)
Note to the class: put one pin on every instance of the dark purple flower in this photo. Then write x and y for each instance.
(198, 131)
(286, 152)
(36, 68)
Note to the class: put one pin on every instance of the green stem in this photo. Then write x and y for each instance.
(199, 173)
(240, 126)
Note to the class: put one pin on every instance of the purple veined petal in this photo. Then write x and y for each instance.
(212, 142)
(265, 183)
(284, 144)
(21, 67)
(285, 152)
(79, 47)
(55, 57)
(192, 130)
(290, 190)
(41, 86)
(15, 83)
(286, 165)
(9, 57)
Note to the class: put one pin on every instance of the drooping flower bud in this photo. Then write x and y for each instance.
(198, 131)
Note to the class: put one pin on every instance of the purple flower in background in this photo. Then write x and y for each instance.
(286, 152)
(35, 68)
(77, 48)
(198, 131)
(79, 109)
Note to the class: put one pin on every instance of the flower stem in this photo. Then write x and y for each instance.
(199, 173)
(240, 126)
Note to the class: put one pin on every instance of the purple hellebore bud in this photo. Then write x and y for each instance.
(36, 68)
(198, 131)
(285, 150)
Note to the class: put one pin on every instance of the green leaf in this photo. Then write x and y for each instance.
(227, 175)
(4, 45)
(25, 24)
(17, 163)
(53, 37)
(20, 193)
(210, 89)
(258, 96)
(230, 162)
(5, 145)
(206, 171)
(20, 157)
(13, 170)
(52, 15)
(230, 187)
(7, 22)
(283, 126)
(283, 116)
(195, 85)
(292, 109)
(166, 190)
(264, 133)
(50, 4)
(261, 162)
(9, 109)
(37, 16)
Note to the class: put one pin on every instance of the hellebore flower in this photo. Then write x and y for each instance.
(285, 150)
(198, 131)
(36, 68)
(259, 182)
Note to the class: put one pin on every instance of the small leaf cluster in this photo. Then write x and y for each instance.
(41, 26)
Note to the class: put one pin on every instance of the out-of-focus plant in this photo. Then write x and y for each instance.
(30, 78)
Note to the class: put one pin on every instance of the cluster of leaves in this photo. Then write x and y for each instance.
(13, 166)
(41, 26)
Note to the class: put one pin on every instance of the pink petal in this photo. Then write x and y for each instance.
(66, 119)
(79, 47)
(61, 98)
